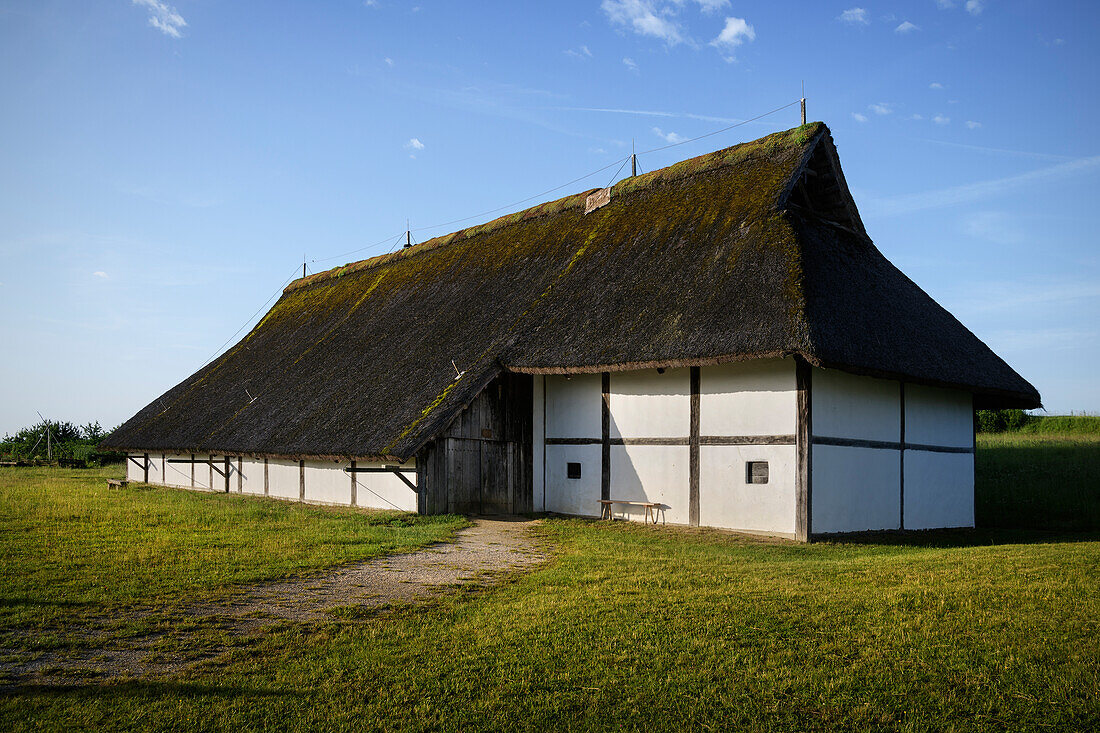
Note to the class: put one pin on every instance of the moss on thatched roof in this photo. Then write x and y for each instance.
(748, 252)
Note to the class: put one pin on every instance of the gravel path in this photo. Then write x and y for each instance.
(479, 554)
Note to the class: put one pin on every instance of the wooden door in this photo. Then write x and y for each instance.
(464, 476)
(496, 494)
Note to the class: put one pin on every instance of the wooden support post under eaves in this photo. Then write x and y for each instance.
(605, 437)
(804, 450)
(354, 484)
(693, 452)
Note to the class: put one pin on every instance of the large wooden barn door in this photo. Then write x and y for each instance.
(496, 494)
(482, 462)
(464, 459)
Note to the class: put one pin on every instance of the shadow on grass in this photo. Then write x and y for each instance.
(947, 538)
(16, 602)
(142, 689)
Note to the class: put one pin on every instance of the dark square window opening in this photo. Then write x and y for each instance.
(573, 470)
(756, 472)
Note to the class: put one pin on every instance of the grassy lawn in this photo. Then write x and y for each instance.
(73, 547)
(634, 627)
(1039, 480)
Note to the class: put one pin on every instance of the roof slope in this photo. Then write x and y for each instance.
(751, 251)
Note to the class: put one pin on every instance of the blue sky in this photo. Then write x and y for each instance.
(167, 165)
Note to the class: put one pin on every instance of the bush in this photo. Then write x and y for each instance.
(1000, 421)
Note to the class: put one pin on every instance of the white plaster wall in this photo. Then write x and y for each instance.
(282, 478)
(573, 406)
(748, 398)
(850, 406)
(651, 473)
(177, 474)
(573, 496)
(380, 490)
(939, 489)
(155, 475)
(133, 472)
(726, 500)
(855, 489)
(936, 416)
(253, 470)
(327, 483)
(538, 435)
(646, 404)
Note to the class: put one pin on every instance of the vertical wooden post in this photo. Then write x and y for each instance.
(145, 466)
(693, 448)
(210, 467)
(901, 454)
(803, 520)
(354, 484)
(192, 470)
(163, 470)
(227, 469)
(267, 485)
(974, 459)
(240, 475)
(301, 480)
(605, 436)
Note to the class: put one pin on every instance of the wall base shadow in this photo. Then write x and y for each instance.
(947, 538)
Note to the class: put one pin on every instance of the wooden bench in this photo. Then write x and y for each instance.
(651, 508)
(114, 483)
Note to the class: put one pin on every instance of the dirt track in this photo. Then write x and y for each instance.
(90, 654)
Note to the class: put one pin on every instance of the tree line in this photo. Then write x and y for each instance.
(54, 440)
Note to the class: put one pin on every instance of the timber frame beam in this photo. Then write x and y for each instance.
(397, 471)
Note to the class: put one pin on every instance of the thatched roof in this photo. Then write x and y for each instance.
(752, 251)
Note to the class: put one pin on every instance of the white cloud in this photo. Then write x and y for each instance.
(915, 116)
(388, 60)
(100, 274)
(974, 7)
(907, 27)
(941, 120)
(855, 16)
(972, 125)
(946, 4)
(712, 6)
(736, 32)
(858, 117)
(370, 3)
(967, 193)
(669, 137)
(882, 108)
(163, 17)
(651, 113)
(580, 53)
(935, 85)
(414, 144)
(642, 17)
(629, 63)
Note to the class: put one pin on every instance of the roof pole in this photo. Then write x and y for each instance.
(633, 160)
(803, 100)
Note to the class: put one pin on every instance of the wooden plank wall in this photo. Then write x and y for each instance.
(492, 435)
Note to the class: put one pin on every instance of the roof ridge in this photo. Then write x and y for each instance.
(696, 165)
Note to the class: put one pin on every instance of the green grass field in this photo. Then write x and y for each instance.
(629, 627)
(71, 546)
